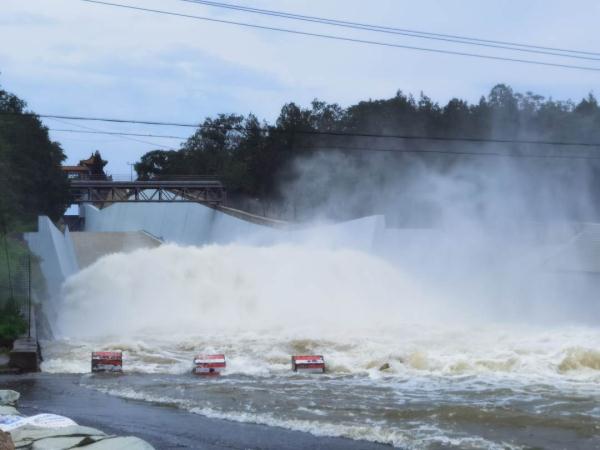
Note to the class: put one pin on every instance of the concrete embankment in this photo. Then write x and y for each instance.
(25, 354)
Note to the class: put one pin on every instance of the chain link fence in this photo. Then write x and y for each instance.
(15, 279)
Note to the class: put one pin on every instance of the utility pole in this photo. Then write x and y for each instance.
(130, 164)
(10, 286)
(29, 295)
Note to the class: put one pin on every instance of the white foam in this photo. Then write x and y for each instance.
(188, 290)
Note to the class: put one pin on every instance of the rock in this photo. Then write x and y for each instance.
(6, 442)
(385, 366)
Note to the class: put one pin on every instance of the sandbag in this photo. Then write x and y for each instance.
(9, 411)
(8, 397)
(25, 436)
(62, 443)
(120, 443)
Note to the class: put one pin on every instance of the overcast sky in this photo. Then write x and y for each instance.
(75, 58)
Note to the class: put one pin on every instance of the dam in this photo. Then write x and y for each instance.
(426, 329)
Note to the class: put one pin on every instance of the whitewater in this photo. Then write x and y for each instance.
(407, 365)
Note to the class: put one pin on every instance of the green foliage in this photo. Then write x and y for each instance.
(31, 180)
(12, 325)
(13, 289)
(253, 163)
(13, 258)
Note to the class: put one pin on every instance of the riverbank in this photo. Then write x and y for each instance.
(164, 427)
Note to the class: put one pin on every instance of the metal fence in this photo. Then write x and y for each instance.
(15, 277)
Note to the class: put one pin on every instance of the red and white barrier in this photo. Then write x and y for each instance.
(209, 364)
(308, 363)
(107, 362)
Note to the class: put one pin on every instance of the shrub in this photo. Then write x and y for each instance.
(12, 324)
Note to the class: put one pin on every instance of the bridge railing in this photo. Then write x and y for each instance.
(186, 189)
(134, 177)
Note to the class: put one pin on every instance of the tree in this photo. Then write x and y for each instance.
(33, 182)
(257, 159)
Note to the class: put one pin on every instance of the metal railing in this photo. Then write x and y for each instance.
(165, 189)
(134, 177)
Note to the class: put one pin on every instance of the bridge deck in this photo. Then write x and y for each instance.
(108, 191)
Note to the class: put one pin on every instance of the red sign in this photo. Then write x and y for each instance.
(209, 364)
(308, 363)
(107, 362)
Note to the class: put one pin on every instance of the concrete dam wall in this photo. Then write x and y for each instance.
(460, 267)
(64, 254)
(196, 224)
(125, 227)
(91, 246)
(182, 223)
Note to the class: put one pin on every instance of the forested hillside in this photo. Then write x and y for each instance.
(259, 160)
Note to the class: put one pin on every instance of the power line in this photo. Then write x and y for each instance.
(344, 148)
(364, 149)
(92, 130)
(371, 149)
(426, 33)
(346, 39)
(404, 32)
(104, 119)
(116, 133)
(449, 152)
(320, 132)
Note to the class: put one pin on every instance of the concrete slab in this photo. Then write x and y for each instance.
(24, 355)
(91, 246)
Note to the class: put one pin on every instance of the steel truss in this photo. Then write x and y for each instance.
(90, 191)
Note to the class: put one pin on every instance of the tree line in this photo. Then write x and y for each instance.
(255, 159)
(31, 180)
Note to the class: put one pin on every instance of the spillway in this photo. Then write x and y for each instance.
(430, 341)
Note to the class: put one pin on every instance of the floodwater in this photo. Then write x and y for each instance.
(483, 389)
(402, 367)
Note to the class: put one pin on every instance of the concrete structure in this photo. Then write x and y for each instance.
(57, 259)
(64, 254)
(182, 223)
(91, 246)
(196, 224)
(25, 356)
(565, 258)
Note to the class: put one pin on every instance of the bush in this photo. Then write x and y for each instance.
(12, 324)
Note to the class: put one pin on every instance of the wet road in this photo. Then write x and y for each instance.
(163, 426)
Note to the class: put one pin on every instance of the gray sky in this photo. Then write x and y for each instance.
(74, 58)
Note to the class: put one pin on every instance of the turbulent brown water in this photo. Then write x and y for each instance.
(404, 368)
